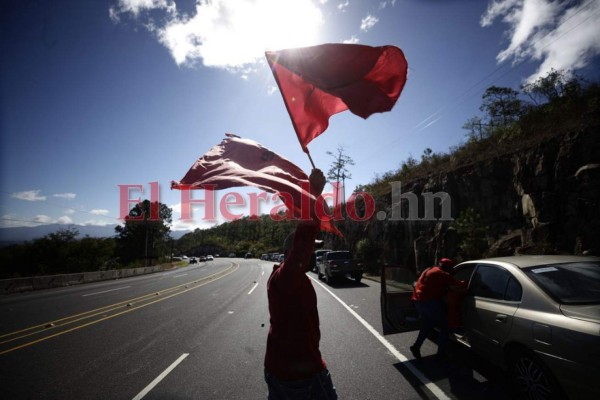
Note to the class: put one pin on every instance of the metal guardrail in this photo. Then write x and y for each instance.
(50, 281)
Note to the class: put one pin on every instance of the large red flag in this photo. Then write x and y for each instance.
(320, 81)
(239, 162)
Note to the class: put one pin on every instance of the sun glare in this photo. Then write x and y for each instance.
(275, 24)
(232, 33)
(289, 24)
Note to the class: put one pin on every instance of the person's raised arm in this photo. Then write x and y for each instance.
(306, 232)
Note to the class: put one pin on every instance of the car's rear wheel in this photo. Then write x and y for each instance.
(357, 277)
(532, 377)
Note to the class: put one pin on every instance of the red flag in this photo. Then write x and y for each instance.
(243, 162)
(320, 81)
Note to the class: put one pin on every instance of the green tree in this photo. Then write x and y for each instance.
(54, 253)
(472, 233)
(145, 234)
(556, 84)
(367, 251)
(501, 105)
(93, 254)
(427, 155)
(59, 252)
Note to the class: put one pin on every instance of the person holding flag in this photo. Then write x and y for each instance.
(294, 367)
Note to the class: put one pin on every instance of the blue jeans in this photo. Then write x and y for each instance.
(433, 313)
(317, 387)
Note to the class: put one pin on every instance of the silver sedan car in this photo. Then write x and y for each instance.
(536, 316)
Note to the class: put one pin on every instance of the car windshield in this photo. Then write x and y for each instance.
(569, 283)
(339, 255)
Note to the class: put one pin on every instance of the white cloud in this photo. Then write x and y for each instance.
(99, 212)
(42, 219)
(136, 7)
(179, 225)
(271, 89)
(561, 35)
(12, 220)
(353, 40)
(69, 211)
(29, 195)
(384, 4)
(65, 220)
(68, 196)
(368, 22)
(95, 222)
(342, 6)
(229, 34)
(189, 225)
(497, 8)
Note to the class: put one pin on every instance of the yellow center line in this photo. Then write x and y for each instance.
(209, 279)
(102, 309)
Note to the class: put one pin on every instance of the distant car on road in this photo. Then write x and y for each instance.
(536, 316)
(339, 263)
(193, 260)
(209, 258)
(231, 254)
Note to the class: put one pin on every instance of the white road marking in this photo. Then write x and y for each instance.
(177, 276)
(105, 291)
(435, 389)
(253, 287)
(159, 378)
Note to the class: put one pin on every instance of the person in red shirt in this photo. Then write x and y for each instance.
(428, 295)
(294, 367)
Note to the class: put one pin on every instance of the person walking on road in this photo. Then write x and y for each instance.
(428, 295)
(294, 367)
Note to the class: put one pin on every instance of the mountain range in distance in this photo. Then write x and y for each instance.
(21, 234)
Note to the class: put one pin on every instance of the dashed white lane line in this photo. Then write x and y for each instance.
(435, 389)
(253, 287)
(105, 291)
(159, 378)
(256, 283)
(177, 276)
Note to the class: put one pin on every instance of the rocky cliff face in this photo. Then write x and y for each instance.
(539, 200)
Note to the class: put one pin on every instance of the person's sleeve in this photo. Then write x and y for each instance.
(456, 285)
(298, 258)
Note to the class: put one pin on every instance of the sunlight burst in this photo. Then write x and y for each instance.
(231, 33)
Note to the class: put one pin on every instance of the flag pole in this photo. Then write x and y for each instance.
(310, 158)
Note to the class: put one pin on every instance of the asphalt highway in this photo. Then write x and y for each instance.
(199, 332)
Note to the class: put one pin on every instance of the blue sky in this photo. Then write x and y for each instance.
(96, 94)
